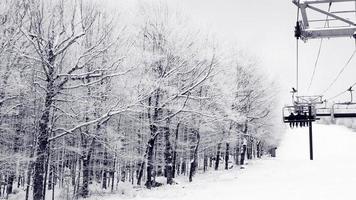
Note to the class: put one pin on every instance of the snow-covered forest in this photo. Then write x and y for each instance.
(91, 98)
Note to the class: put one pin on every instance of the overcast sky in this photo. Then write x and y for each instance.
(265, 30)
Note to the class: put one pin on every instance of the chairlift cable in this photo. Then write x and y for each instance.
(297, 59)
(348, 90)
(297, 53)
(315, 64)
(318, 55)
(339, 94)
(340, 72)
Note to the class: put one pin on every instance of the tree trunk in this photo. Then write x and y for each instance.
(86, 169)
(140, 173)
(205, 162)
(150, 152)
(41, 153)
(49, 170)
(46, 171)
(168, 155)
(85, 187)
(44, 130)
(76, 191)
(227, 153)
(28, 180)
(73, 169)
(237, 152)
(105, 170)
(29, 172)
(178, 167)
(217, 159)
(112, 173)
(249, 149)
(151, 142)
(244, 146)
(194, 162)
(259, 149)
(175, 151)
(243, 153)
(183, 168)
(10, 182)
(105, 180)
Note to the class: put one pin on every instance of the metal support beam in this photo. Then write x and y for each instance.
(304, 15)
(307, 31)
(328, 32)
(331, 15)
(337, 115)
(324, 1)
(310, 135)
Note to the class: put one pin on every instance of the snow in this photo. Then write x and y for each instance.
(331, 175)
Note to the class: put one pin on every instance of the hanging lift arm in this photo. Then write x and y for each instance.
(305, 31)
(316, 116)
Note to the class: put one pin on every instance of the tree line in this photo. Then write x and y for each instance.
(89, 99)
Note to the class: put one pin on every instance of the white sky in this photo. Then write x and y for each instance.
(265, 29)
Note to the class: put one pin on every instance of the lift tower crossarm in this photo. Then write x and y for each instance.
(321, 1)
(307, 32)
(331, 15)
(328, 33)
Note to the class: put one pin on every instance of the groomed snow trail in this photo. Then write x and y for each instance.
(290, 176)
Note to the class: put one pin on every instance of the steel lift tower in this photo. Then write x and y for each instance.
(318, 22)
(338, 23)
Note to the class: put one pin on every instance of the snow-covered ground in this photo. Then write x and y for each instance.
(290, 176)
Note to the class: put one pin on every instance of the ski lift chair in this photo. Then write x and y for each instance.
(343, 110)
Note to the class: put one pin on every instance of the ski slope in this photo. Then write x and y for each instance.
(290, 176)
